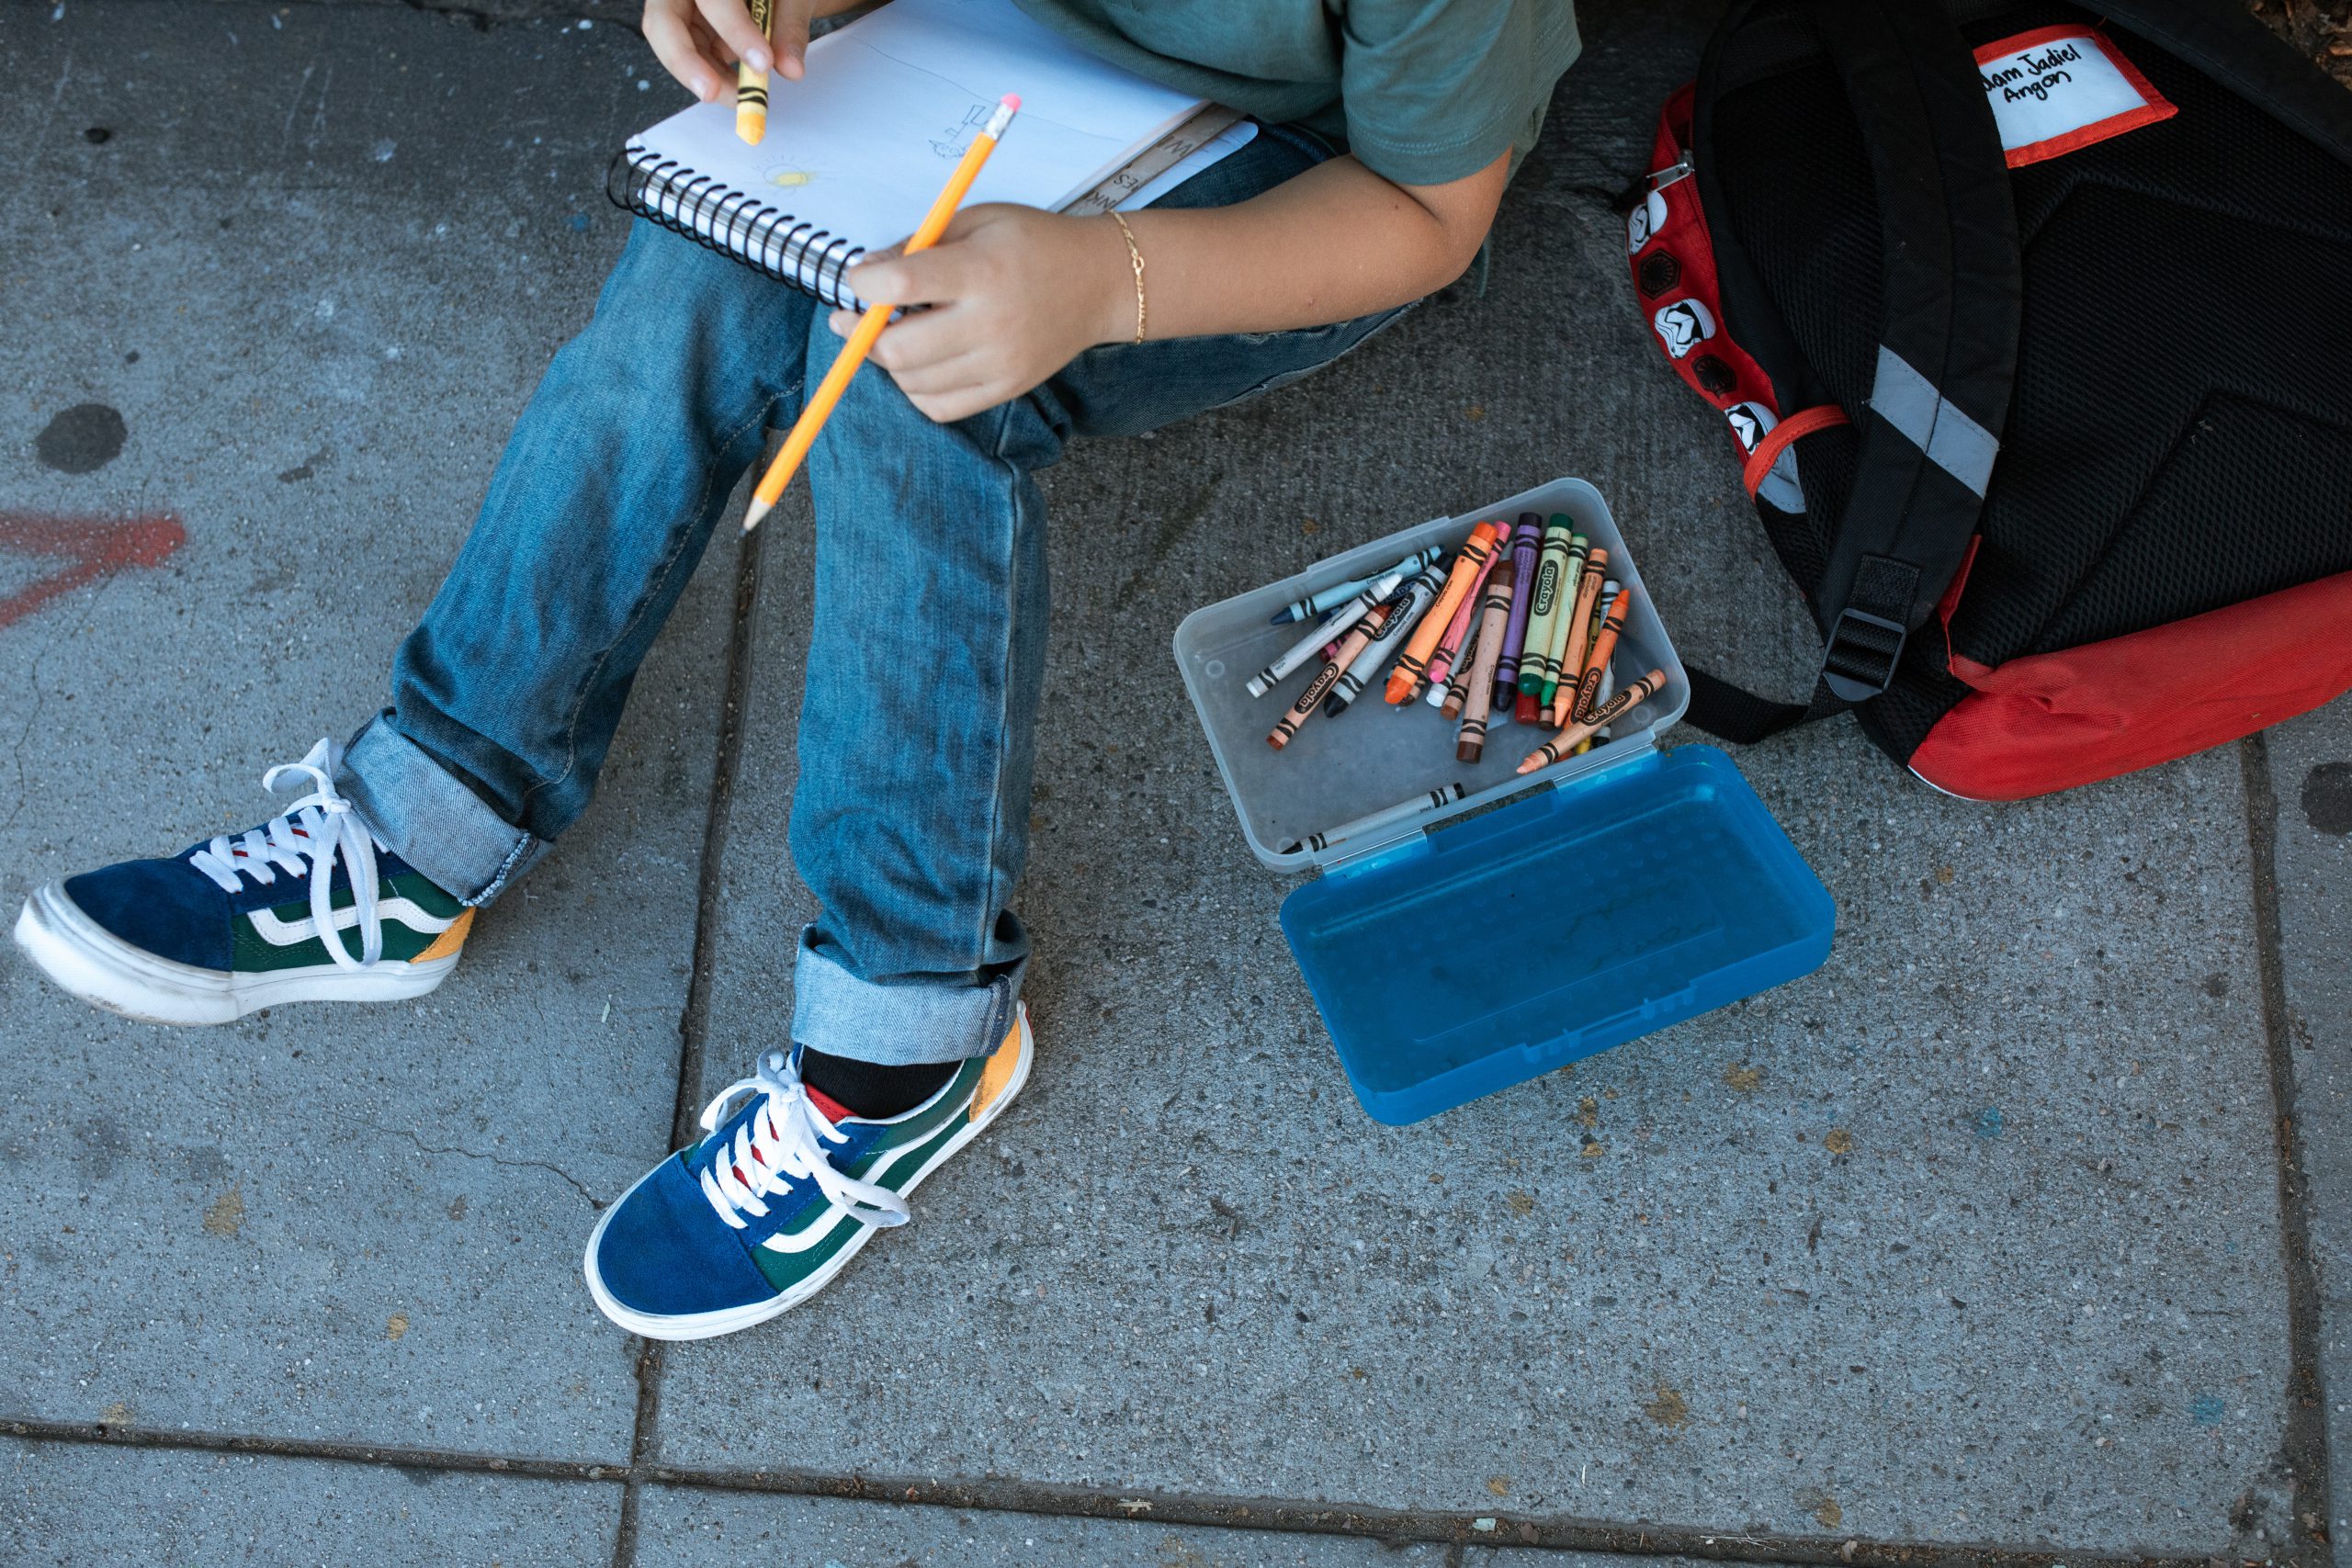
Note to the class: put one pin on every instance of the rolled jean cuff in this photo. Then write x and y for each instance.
(901, 1025)
(430, 818)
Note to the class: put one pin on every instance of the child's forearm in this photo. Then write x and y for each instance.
(1015, 294)
(1337, 242)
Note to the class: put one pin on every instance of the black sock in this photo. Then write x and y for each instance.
(873, 1089)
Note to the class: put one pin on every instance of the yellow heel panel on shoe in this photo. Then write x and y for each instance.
(449, 941)
(997, 1074)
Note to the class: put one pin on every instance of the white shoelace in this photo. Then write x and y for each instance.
(305, 842)
(785, 1140)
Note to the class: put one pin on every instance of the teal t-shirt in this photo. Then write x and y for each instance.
(1422, 91)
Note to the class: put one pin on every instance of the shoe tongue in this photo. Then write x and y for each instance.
(833, 1109)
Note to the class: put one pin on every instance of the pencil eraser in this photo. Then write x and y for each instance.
(1010, 101)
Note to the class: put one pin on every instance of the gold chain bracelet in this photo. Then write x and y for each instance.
(1134, 255)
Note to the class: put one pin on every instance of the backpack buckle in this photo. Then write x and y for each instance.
(1863, 651)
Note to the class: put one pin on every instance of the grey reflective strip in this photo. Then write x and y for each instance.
(1953, 441)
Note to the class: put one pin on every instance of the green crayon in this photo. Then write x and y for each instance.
(1563, 660)
(1555, 582)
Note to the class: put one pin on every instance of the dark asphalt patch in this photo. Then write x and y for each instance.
(82, 440)
(2327, 797)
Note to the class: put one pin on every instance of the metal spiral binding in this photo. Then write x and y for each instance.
(734, 223)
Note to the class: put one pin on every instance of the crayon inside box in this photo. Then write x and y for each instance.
(1341, 767)
(1621, 890)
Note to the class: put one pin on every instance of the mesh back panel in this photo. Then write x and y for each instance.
(2184, 404)
(2180, 437)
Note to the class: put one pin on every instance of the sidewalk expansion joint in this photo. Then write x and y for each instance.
(1048, 1500)
(2303, 1454)
(693, 1021)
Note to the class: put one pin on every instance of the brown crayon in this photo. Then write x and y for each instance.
(1447, 699)
(1329, 676)
(1494, 615)
(1501, 578)
(1406, 676)
(1603, 647)
(1565, 743)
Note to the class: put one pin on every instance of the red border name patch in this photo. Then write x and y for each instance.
(2057, 90)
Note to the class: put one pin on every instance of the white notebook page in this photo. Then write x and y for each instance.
(862, 144)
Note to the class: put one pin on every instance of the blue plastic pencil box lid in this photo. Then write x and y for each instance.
(1633, 888)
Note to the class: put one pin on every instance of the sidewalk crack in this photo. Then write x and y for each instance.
(424, 1147)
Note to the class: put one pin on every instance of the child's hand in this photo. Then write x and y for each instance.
(1015, 294)
(699, 42)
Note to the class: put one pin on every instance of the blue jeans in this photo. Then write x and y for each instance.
(909, 823)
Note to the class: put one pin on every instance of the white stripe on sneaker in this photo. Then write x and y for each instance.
(825, 1216)
(287, 934)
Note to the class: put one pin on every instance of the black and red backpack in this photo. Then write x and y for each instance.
(2033, 329)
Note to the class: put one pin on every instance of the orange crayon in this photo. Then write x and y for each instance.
(1456, 640)
(1415, 662)
(1564, 705)
(1565, 743)
(1596, 663)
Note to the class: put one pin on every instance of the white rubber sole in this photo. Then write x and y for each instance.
(710, 1325)
(105, 971)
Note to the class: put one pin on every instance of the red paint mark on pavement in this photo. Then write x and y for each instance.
(91, 548)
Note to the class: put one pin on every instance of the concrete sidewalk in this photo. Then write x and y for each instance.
(2013, 1235)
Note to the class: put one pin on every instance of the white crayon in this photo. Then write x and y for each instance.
(1310, 645)
(1421, 593)
(1381, 819)
(1316, 603)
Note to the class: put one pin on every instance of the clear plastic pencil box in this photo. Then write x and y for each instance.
(1626, 890)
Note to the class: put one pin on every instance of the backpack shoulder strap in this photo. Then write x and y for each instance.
(1948, 344)
(1947, 351)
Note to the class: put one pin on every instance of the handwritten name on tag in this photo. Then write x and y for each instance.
(2057, 90)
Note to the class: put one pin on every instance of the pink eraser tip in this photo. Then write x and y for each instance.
(1010, 101)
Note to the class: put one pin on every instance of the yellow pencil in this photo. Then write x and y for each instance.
(869, 326)
(751, 86)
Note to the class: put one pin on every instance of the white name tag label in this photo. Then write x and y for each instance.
(2057, 90)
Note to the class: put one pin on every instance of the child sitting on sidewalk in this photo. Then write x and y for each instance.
(1388, 131)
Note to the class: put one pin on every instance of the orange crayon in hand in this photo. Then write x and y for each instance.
(751, 83)
(1468, 566)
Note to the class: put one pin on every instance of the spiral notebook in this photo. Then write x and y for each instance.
(856, 150)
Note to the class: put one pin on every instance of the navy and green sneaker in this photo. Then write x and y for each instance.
(762, 1213)
(251, 921)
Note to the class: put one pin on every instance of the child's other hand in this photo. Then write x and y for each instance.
(1015, 294)
(699, 42)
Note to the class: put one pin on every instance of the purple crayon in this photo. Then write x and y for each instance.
(1526, 540)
